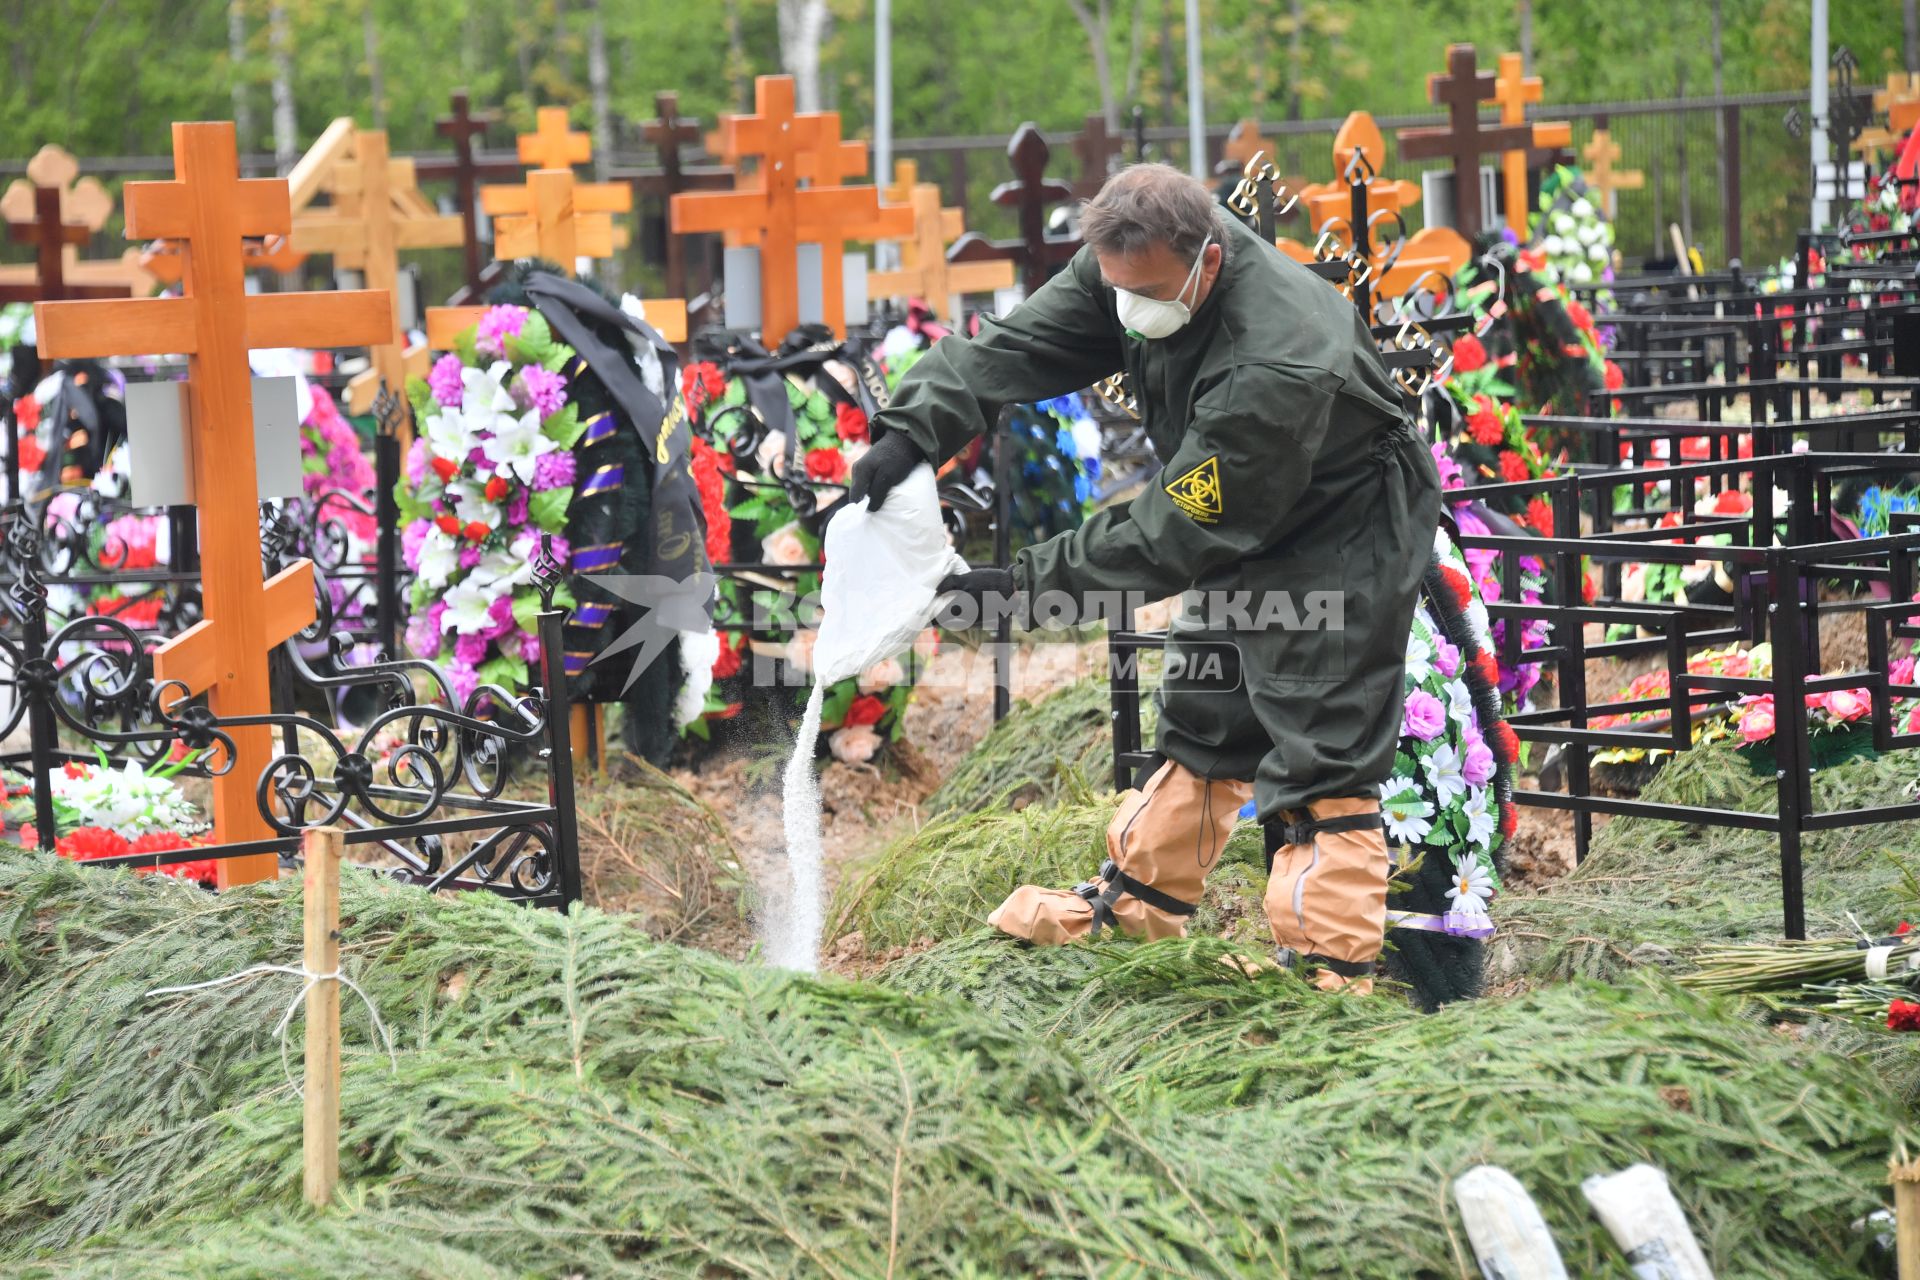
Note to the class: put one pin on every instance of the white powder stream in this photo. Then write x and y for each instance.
(793, 937)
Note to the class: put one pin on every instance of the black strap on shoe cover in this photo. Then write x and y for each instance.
(1101, 894)
(1290, 959)
(1278, 835)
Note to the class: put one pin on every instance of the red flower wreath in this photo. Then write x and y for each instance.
(1513, 467)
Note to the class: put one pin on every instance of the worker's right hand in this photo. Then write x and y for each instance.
(892, 458)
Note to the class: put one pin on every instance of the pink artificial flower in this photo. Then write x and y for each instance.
(464, 680)
(541, 390)
(530, 647)
(444, 379)
(1900, 671)
(470, 649)
(1446, 657)
(423, 636)
(469, 556)
(411, 540)
(1451, 476)
(1424, 716)
(1848, 704)
(417, 461)
(1757, 722)
(555, 470)
(496, 326)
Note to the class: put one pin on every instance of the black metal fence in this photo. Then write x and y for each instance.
(432, 791)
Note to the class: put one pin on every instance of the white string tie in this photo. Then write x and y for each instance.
(293, 1006)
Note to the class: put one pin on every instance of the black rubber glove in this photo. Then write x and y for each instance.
(885, 465)
(989, 595)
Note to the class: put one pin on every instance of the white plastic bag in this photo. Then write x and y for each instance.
(882, 568)
(876, 596)
(1510, 1238)
(1640, 1212)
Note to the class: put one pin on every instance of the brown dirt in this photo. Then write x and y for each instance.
(864, 806)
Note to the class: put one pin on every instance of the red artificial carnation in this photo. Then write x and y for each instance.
(866, 709)
(1540, 516)
(476, 531)
(74, 769)
(1588, 590)
(1485, 428)
(1732, 502)
(449, 525)
(202, 870)
(87, 843)
(1468, 354)
(1903, 1015)
(1902, 929)
(496, 488)
(1615, 379)
(728, 663)
(445, 468)
(29, 836)
(31, 454)
(26, 413)
(1581, 317)
(1513, 467)
(828, 466)
(850, 421)
(708, 476)
(700, 382)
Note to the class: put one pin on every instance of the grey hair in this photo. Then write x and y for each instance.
(1147, 204)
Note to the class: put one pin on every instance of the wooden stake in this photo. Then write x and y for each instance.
(320, 885)
(1904, 1174)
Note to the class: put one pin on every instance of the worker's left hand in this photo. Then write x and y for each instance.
(989, 596)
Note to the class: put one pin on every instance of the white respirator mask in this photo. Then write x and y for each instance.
(1151, 318)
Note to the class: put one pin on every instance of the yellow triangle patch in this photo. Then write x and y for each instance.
(1198, 492)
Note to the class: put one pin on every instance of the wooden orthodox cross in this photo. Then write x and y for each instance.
(1243, 144)
(1601, 154)
(1900, 103)
(1461, 89)
(1029, 193)
(778, 215)
(1514, 90)
(56, 213)
(467, 171)
(377, 211)
(667, 131)
(924, 270)
(1098, 150)
(553, 215)
(207, 210)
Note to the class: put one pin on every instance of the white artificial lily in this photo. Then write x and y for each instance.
(450, 435)
(484, 394)
(1419, 658)
(1482, 821)
(470, 505)
(518, 444)
(1443, 769)
(467, 606)
(439, 559)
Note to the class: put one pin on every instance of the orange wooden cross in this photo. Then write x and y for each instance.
(376, 210)
(552, 145)
(925, 271)
(780, 215)
(1242, 145)
(207, 210)
(1900, 100)
(1432, 252)
(557, 217)
(1513, 90)
(53, 193)
(1601, 152)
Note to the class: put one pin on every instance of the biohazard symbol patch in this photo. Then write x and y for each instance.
(1198, 492)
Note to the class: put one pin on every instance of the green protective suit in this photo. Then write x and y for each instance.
(1290, 465)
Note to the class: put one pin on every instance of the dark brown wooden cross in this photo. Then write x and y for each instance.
(50, 234)
(1461, 90)
(1030, 193)
(1097, 150)
(667, 132)
(467, 171)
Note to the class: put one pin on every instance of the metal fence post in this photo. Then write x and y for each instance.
(386, 474)
(559, 713)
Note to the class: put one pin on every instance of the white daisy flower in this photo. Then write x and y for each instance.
(1407, 813)
(1443, 774)
(1472, 886)
(1482, 821)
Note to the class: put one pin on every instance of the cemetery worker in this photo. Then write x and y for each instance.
(1295, 496)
